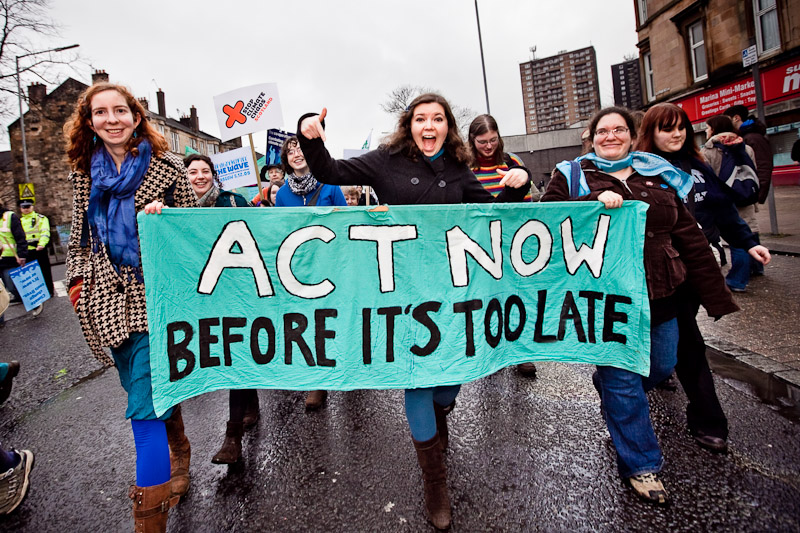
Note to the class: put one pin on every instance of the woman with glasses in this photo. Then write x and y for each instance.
(490, 164)
(303, 189)
(675, 252)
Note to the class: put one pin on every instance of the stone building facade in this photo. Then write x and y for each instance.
(690, 53)
(46, 147)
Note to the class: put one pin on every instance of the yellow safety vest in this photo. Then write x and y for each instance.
(37, 229)
(7, 241)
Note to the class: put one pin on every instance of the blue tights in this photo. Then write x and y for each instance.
(152, 452)
(419, 409)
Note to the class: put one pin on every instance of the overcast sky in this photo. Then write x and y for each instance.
(345, 55)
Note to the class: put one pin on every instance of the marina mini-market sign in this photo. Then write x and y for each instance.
(396, 297)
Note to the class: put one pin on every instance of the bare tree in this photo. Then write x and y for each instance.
(398, 99)
(24, 26)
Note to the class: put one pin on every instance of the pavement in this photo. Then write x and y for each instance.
(764, 335)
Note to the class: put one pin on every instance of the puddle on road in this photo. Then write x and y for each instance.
(778, 395)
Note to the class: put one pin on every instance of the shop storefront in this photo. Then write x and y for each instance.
(780, 85)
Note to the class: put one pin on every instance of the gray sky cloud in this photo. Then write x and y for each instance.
(345, 55)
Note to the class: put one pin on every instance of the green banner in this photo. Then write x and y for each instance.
(398, 297)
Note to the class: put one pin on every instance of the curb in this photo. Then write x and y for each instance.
(790, 377)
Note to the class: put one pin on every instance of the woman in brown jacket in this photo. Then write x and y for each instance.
(675, 250)
(120, 163)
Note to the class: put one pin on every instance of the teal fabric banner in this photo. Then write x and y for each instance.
(399, 297)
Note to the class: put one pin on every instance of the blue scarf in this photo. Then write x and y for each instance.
(112, 208)
(644, 163)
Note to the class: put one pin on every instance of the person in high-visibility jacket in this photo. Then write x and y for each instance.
(37, 233)
(13, 248)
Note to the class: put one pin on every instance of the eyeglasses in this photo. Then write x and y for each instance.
(618, 132)
(490, 141)
(294, 151)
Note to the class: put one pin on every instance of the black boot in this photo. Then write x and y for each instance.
(231, 451)
(434, 478)
(441, 413)
(251, 412)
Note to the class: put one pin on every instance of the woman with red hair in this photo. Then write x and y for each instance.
(666, 131)
(120, 164)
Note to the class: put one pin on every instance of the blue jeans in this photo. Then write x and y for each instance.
(419, 409)
(739, 275)
(625, 406)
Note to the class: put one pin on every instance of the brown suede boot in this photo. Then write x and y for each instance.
(316, 399)
(150, 507)
(434, 478)
(251, 412)
(231, 451)
(180, 452)
(441, 413)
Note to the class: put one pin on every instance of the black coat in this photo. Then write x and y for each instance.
(400, 180)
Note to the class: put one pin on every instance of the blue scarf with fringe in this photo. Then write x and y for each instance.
(644, 163)
(112, 209)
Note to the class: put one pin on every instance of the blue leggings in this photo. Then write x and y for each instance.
(152, 452)
(419, 409)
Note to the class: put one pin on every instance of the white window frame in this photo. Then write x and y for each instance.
(647, 61)
(759, 16)
(174, 140)
(642, 11)
(696, 48)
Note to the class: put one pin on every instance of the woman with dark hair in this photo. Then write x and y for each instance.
(301, 187)
(120, 164)
(675, 251)
(720, 131)
(205, 183)
(490, 163)
(666, 132)
(243, 403)
(423, 162)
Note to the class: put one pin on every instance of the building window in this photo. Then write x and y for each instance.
(697, 51)
(174, 141)
(642, 10)
(767, 32)
(648, 76)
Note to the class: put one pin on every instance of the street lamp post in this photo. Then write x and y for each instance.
(483, 65)
(19, 97)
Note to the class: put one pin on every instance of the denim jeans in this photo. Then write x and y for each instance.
(625, 406)
(739, 275)
(419, 409)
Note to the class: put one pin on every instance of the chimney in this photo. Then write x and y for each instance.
(36, 93)
(99, 76)
(145, 103)
(186, 121)
(162, 105)
(194, 123)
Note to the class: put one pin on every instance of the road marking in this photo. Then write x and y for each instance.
(61, 288)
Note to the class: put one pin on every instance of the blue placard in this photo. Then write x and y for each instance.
(30, 284)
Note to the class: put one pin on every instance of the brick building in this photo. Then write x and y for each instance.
(690, 53)
(560, 90)
(627, 84)
(46, 146)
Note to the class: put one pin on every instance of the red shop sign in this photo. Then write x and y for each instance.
(778, 83)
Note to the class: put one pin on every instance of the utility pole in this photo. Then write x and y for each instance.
(483, 64)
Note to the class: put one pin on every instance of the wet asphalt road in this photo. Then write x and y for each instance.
(525, 455)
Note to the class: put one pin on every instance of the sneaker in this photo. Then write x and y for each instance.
(14, 483)
(669, 384)
(8, 381)
(649, 488)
